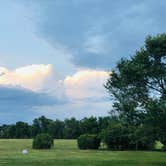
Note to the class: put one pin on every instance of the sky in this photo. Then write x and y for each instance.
(55, 55)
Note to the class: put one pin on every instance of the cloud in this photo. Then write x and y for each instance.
(36, 90)
(12, 96)
(86, 85)
(25, 88)
(30, 77)
(19, 104)
(96, 44)
(35, 77)
(98, 32)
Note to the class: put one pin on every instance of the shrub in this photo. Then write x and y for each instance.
(118, 137)
(43, 141)
(115, 137)
(142, 138)
(88, 141)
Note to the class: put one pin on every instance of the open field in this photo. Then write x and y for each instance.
(65, 152)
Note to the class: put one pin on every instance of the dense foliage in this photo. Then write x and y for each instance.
(43, 141)
(88, 141)
(138, 87)
(119, 137)
(67, 129)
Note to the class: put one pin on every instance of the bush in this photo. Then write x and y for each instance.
(43, 141)
(142, 138)
(118, 137)
(115, 137)
(88, 141)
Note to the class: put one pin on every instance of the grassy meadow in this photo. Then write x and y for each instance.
(65, 152)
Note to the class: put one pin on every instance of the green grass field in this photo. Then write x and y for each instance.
(65, 152)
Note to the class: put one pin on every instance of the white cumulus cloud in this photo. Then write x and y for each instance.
(30, 77)
(86, 84)
(82, 85)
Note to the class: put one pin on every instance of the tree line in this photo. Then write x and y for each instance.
(67, 129)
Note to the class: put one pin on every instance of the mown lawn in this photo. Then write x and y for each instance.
(65, 152)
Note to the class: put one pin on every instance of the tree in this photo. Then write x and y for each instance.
(89, 126)
(22, 130)
(41, 125)
(12, 131)
(104, 122)
(56, 129)
(139, 84)
(4, 131)
(156, 118)
(71, 129)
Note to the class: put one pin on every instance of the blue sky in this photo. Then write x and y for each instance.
(55, 54)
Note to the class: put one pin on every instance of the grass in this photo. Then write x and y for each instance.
(65, 152)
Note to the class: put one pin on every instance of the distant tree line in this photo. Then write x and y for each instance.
(67, 129)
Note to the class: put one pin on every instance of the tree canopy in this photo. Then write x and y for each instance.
(138, 86)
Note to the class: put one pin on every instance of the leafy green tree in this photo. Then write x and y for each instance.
(40, 125)
(22, 130)
(12, 131)
(139, 84)
(71, 128)
(4, 131)
(103, 122)
(156, 118)
(56, 129)
(89, 126)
